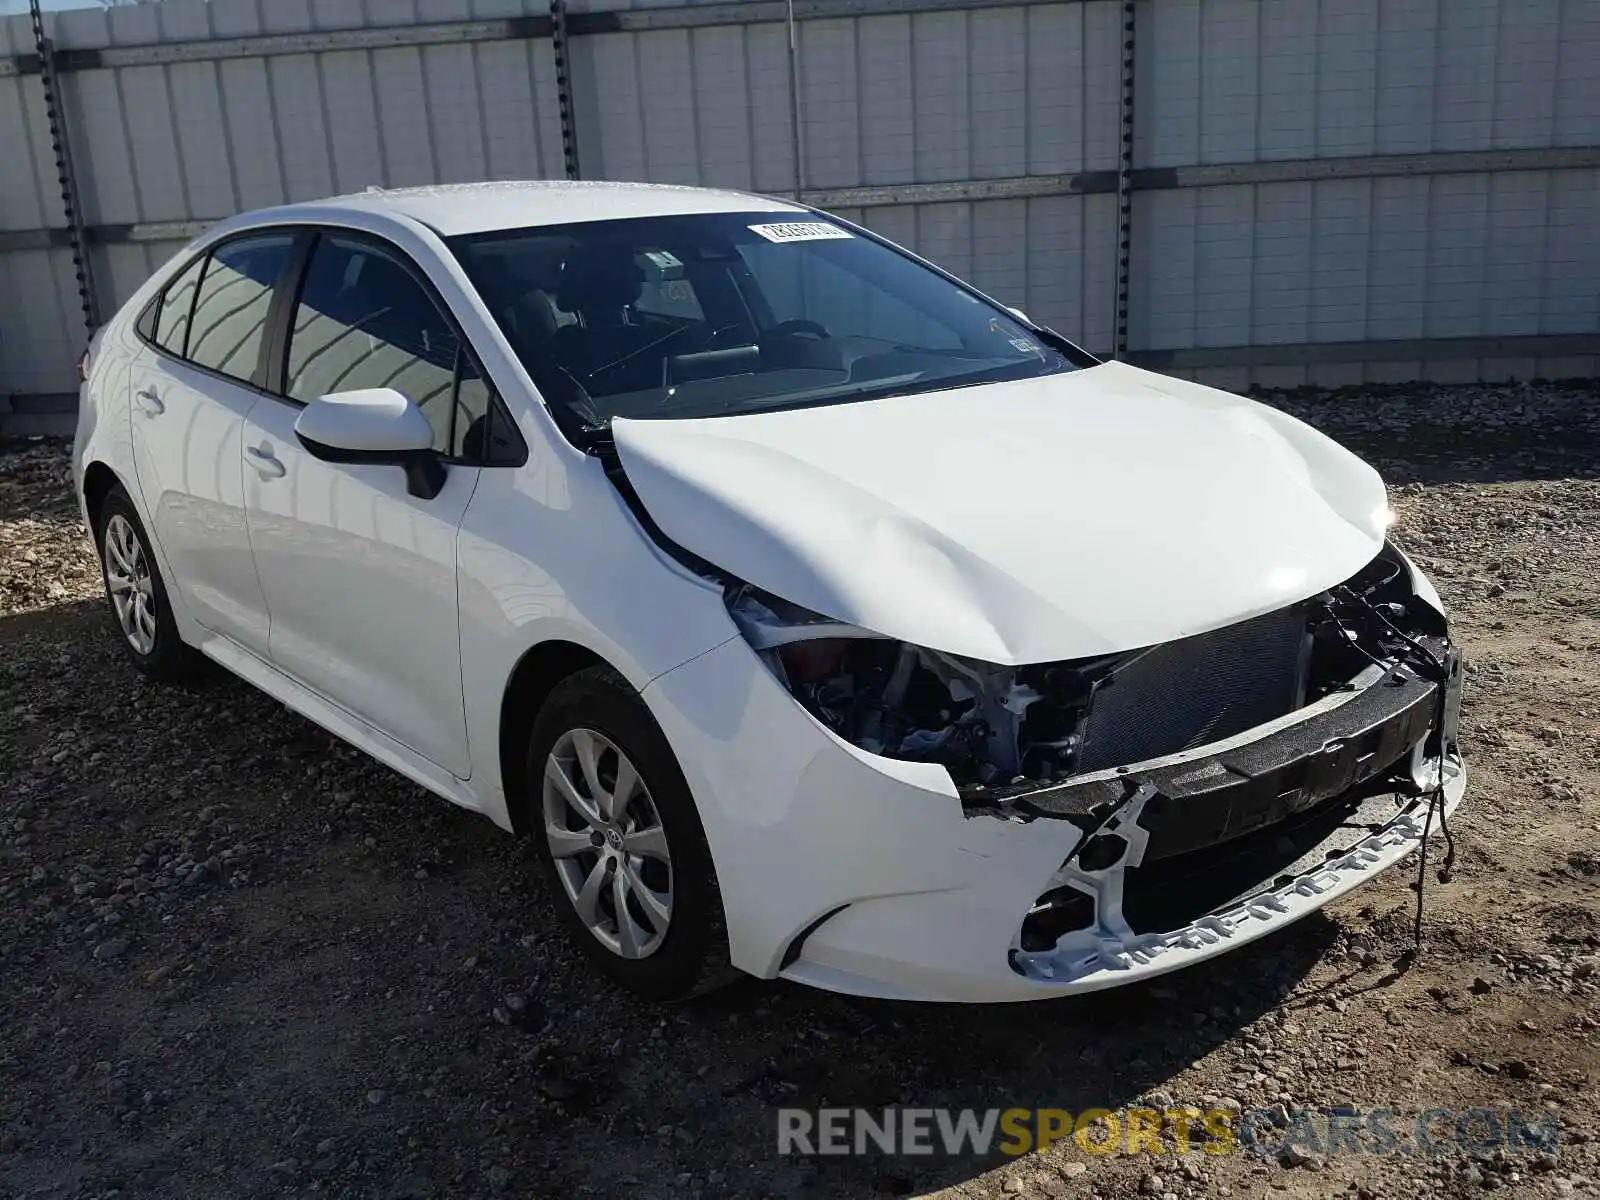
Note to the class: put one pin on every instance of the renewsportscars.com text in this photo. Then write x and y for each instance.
(956, 1132)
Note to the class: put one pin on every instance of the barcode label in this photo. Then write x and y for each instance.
(800, 231)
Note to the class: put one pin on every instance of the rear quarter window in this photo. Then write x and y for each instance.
(177, 302)
(230, 311)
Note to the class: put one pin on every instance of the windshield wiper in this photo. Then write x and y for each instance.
(828, 395)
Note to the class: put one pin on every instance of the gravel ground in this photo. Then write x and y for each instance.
(239, 959)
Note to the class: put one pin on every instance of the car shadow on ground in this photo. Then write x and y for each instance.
(1103, 1051)
(375, 969)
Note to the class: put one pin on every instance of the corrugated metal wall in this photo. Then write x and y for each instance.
(1438, 256)
(182, 142)
(914, 98)
(1310, 176)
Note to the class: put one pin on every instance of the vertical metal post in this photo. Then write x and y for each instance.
(561, 45)
(797, 112)
(1124, 184)
(69, 188)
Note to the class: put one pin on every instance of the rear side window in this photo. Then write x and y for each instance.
(172, 318)
(230, 310)
(364, 321)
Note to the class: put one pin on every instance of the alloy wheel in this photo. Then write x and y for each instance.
(128, 580)
(607, 842)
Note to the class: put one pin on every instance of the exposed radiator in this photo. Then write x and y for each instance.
(1198, 690)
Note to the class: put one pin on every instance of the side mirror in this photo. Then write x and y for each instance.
(373, 425)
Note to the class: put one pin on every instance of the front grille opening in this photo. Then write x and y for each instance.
(1176, 891)
(1173, 892)
(1055, 914)
(1198, 690)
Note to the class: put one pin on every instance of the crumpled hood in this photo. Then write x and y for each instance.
(1053, 518)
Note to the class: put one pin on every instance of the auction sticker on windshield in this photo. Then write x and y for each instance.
(800, 231)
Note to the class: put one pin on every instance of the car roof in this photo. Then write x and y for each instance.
(458, 208)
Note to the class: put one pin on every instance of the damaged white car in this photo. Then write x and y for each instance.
(816, 616)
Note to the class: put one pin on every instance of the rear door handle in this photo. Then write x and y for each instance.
(150, 402)
(264, 461)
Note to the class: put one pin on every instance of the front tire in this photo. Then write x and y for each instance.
(137, 595)
(620, 843)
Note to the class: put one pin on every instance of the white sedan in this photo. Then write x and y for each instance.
(815, 614)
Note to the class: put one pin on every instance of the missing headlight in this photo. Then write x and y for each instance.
(992, 726)
(984, 723)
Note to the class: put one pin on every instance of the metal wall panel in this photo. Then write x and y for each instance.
(41, 327)
(1334, 261)
(1244, 80)
(1355, 260)
(961, 98)
(200, 140)
(29, 198)
(39, 315)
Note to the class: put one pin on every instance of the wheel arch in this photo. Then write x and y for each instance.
(98, 480)
(537, 673)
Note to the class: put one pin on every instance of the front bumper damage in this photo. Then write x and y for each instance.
(854, 872)
(1110, 953)
(1210, 850)
(1196, 853)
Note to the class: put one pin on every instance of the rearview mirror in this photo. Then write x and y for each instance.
(373, 425)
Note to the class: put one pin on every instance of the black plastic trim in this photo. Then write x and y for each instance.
(281, 313)
(791, 953)
(426, 470)
(605, 450)
(1214, 798)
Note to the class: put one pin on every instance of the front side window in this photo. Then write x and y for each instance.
(364, 321)
(172, 318)
(726, 313)
(230, 309)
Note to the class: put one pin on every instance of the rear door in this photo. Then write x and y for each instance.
(194, 381)
(359, 575)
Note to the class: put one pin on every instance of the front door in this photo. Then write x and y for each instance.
(359, 575)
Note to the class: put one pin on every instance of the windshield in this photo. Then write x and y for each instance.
(709, 315)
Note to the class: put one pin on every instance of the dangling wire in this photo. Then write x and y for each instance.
(1436, 797)
(1422, 878)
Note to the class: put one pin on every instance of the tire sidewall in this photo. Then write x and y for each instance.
(166, 657)
(694, 942)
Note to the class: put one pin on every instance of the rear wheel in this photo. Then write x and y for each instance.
(137, 595)
(620, 841)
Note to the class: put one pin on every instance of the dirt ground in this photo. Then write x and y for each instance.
(239, 959)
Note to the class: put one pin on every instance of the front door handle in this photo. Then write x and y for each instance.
(150, 402)
(264, 461)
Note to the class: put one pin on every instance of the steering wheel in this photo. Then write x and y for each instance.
(800, 325)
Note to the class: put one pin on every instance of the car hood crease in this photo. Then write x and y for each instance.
(1032, 521)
